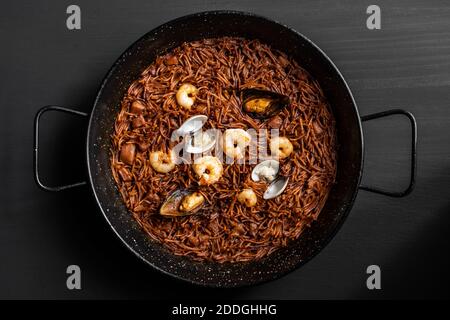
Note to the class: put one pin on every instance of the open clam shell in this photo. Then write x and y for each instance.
(276, 188)
(191, 125)
(200, 142)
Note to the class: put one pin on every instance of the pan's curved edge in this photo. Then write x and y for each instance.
(208, 284)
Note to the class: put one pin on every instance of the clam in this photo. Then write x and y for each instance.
(266, 170)
(182, 203)
(276, 188)
(191, 126)
(200, 142)
(263, 104)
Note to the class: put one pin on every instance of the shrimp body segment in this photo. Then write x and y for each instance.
(247, 197)
(208, 169)
(281, 147)
(186, 95)
(162, 162)
(235, 142)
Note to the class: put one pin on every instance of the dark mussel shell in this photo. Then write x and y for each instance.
(174, 206)
(263, 104)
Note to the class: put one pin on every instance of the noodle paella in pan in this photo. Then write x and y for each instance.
(215, 154)
(246, 189)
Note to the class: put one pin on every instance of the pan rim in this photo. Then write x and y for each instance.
(354, 189)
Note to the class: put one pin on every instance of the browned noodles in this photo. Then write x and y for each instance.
(225, 230)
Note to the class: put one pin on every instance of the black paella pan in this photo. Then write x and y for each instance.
(210, 25)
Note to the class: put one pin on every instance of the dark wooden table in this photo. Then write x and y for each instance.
(406, 64)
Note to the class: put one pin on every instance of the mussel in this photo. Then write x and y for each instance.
(182, 202)
(276, 188)
(263, 104)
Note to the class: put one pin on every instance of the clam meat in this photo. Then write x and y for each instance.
(266, 171)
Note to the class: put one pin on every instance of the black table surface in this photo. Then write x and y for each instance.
(405, 65)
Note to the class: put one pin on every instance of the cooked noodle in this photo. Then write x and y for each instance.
(225, 230)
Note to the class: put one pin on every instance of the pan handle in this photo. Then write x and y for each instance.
(412, 181)
(36, 147)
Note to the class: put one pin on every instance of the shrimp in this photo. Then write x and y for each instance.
(247, 197)
(209, 169)
(281, 147)
(186, 95)
(162, 162)
(235, 141)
